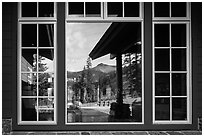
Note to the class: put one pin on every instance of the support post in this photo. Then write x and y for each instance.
(119, 79)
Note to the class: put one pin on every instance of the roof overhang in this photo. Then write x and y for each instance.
(120, 37)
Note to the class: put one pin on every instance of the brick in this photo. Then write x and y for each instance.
(85, 133)
(68, 133)
(174, 133)
(192, 132)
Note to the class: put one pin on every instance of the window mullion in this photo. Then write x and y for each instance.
(170, 42)
(37, 71)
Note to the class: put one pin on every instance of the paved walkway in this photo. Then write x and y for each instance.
(109, 133)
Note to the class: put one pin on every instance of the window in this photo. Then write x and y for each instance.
(123, 9)
(84, 9)
(171, 10)
(37, 99)
(171, 72)
(37, 10)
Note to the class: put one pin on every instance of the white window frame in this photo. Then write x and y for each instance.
(170, 72)
(141, 13)
(20, 18)
(105, 20)
(188, 5)
(72, 18)
(36, 21)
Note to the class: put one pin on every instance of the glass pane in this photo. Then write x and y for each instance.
(46, 115)
(93, 9)
(178, 59)
(46, 35)
(162, 60)
(162, 84)
(46, 9)
(161, 9)
(132, 9)
(46, 84)
(178, 9)
(115, 9)
(46, 60)
(76, 9)
(161, 35)
(179, 84)
(132, 81)
(45, 103)
(178, 35)
(29, 9)
(29, 84)
(91, 94)
(29, 112)
(179, 108)
(29, 60)
(162, 109)
(29, 35)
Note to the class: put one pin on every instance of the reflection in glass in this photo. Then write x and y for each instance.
(162, 84)
(178, 59)
(132, 9)
(179, 84)
(29, 9)
(179, 109)
(91, 92)
(93, 9)
(162, 109)
(45, 103)
(162, 60)
(115, 9)
(132, 81)
(29, 84)
(46, 60)
(46, 115)
(29, 112)
(178, 9)
(46, 84)
(46, 9)
(178, 35)
(29, 35)
(161, 35)
(161, 9)
(76, 9)
(46, 35)
(28, 60)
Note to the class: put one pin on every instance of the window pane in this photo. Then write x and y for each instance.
(29, 112)
(46, 9)
(161, 9)
(46, 111)
(161, 35)
(46, 103)
(179, 108)
(131, 9)
(76, 9)
(162, 108)
(29, 35)
(162, 61)
(29, 84)
(178, 59)
(162, 84)
(46, 115)
(178, 9)
(178, 84)
(115, 9)
(29, 9)
(29, 60)
(46, 60)
(46, 35)
(178, 35)
(93, 9)
(46, 84)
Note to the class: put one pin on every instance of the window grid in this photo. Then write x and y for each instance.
(170, 72)
(170, 18)
(36, 21)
